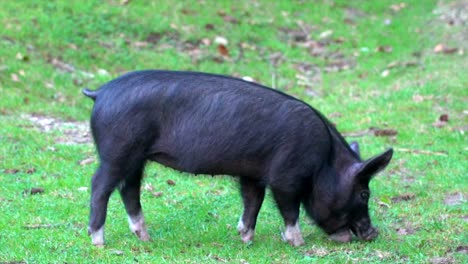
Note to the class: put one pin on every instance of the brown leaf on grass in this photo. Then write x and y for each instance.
(218, 258)
(61, 65)
(384, 49)
(454, 199)
(11, 171)
(230, 19)
(378, 132)
(209, 26)
(386, 132)
(186, 11)
(443, 118)
(154, 37)
(403, 197)
(450, 50)
(441, 48)
(223, 50)
(34, 190)
(441, 121)
(171, 182)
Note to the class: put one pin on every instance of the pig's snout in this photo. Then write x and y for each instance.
(370, 234)
(342, 236)
(366, 232)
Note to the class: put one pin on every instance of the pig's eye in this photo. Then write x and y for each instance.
(365, 195)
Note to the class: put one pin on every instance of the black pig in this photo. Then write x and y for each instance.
(212, 124)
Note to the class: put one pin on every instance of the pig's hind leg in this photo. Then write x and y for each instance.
(104, 181)
(118, 169)
(253, 193)
(130, 193)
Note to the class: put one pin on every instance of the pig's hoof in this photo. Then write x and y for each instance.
(246, 233)
(97, 237)
(341, 236)
(293, 241)
(247, 236)
(293, 235)
(142, 235)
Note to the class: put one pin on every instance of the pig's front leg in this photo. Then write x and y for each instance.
(130, 193)
(289, 205)
(253, 194)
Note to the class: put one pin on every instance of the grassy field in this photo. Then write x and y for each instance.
(388, 73)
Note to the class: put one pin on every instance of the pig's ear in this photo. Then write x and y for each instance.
(355, 147)
(374, 165)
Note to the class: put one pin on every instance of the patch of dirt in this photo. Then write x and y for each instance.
(454, 199)
(461, 249)
(317, 252)
(405, 231)
(72, 132)
(454, 16)
(441, 260)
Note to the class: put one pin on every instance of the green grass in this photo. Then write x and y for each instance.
(194, 221)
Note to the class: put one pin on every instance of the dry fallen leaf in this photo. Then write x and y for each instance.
(11, 171)
(223, 50)
(230, 19)
(34, 190)
(385, 49)
(441, 121)
(443, 118)
(209, 26)
(171, 182)
(403, 197)
(386, 132)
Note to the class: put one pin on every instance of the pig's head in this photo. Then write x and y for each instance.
(339, 203)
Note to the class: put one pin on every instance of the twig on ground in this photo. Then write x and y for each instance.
(425, 152)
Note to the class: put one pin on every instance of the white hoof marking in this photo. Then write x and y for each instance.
(97, 237)
(293, 235)
(138, 227)
(246, 234)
